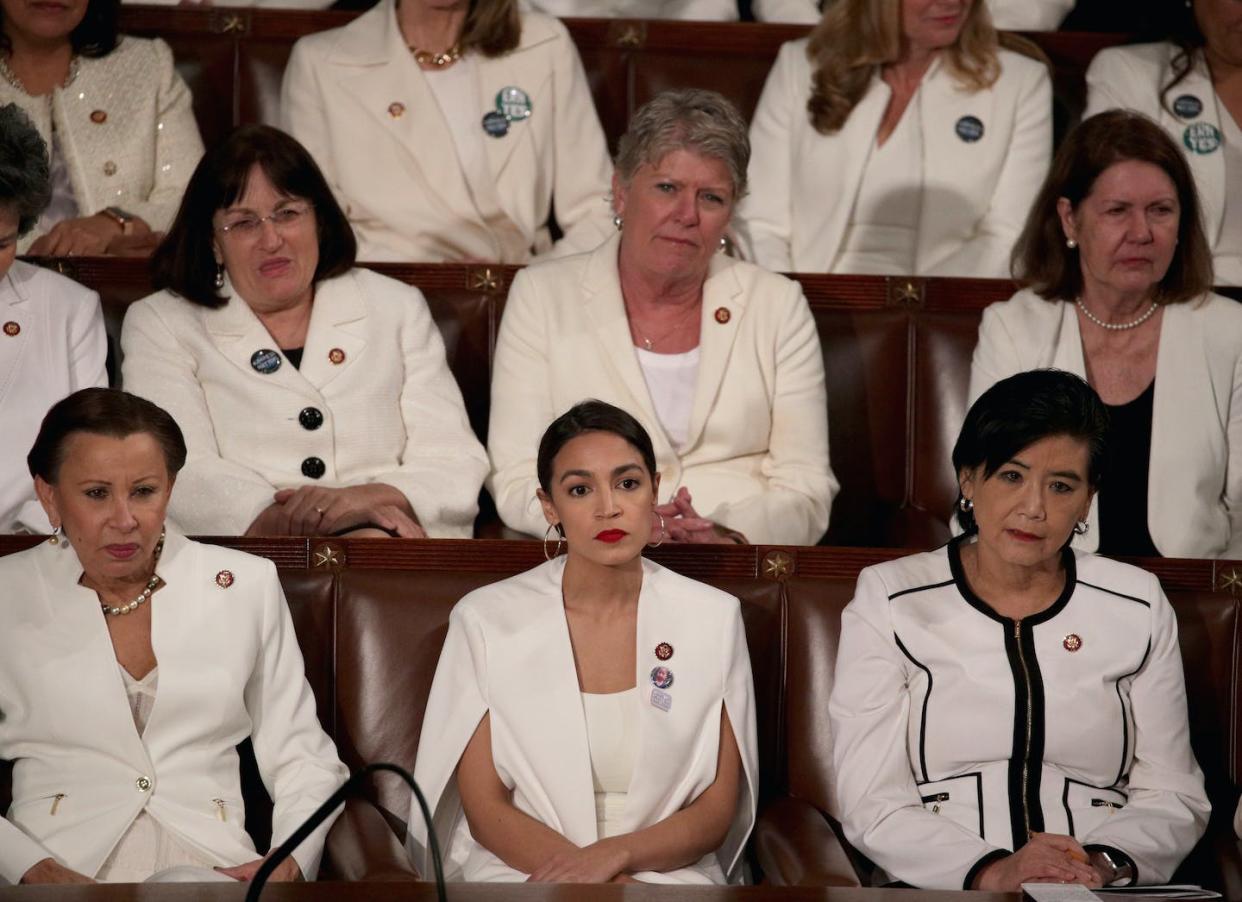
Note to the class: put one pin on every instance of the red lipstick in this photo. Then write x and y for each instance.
(611, 535)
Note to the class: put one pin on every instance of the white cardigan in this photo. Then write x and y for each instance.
(139, 157)
(756, 457)
(391, 411)
(929, 717)
(359, 103)
(975, 194)
(230, 668)
(508, 654)
(1194, 484)
(59, 347)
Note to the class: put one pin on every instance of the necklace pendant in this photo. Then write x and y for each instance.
(647, 344)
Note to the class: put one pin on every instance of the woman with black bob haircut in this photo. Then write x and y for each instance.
(115, 115)
(593, 718)
(315, 397)
(1046, 661)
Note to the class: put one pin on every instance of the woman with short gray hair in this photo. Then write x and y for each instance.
(718, 359)
(52, 338)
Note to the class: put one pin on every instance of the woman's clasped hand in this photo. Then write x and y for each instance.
(1046, 858)
(319, 510)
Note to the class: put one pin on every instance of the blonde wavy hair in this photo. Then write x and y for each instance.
(855, 36)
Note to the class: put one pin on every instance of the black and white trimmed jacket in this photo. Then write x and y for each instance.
(957, 731)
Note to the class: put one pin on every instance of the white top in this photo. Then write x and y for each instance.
(612, 735)
(141, 694)
(64, 205)
(881, 238)
(1228, 250)
(671, 378)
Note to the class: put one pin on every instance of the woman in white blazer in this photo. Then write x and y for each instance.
(959, 760)
(133, 661)
(315, 397)
(1117, 277)
(915, 151)
(1029, 15)
(719, 360)
(450, 132)
(116, 117)
(1186, 86)
(52, 339)
(592, 720)
(792, 11)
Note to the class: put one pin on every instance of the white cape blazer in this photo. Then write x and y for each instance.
(230, 668)
(1132, 78)
(975, 194)
(508, 654)
(1194, 483)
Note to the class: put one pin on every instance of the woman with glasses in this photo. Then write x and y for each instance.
(315, 398)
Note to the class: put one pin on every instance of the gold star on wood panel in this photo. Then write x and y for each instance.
(1231, 580)
(328, 556)
(482, 280)
(777, 564)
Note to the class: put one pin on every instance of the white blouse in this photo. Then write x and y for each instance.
(1227, 255)
(670, 380)
(612, 735)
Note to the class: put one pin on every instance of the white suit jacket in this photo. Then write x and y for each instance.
(391, 411)
(929, 714)
(508, 654)
(358, 101)
(59, 347)
(229, 667)
(1029, 15)
(975, 194)
(140, 156)
(1132, 78)
(1194, 483)
(756, 458)
(796, 11)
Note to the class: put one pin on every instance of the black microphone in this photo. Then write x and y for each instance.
(323, 811)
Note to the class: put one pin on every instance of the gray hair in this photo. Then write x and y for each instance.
(688, 119)
(25, 176)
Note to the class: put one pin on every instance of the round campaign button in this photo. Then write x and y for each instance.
(969, 129)
(661, 677)
(313, 468)
(513, 103)
(1201, 137)
(1188, 106)
(495, 124)
(311, 418)
(265, 361)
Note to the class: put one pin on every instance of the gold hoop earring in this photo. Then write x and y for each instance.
(663, 534)
(560, 538)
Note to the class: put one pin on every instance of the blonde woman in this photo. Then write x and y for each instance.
(899, 138)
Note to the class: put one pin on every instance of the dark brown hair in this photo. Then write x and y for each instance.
(493, 27)
(103, 411)
(25, 174)
(591, 416)
(1041, 261)
(95, 36)
(185, 263)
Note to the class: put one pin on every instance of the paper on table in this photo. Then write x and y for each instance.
(1059, 892)
(189, 874)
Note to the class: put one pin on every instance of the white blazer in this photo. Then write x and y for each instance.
(508, 654)
(126, 129)
(229, 668)
(804, 12)
(358, 101)
(57, 346)
(1194, 483)
(1132, 78)
(935, 695)
(756, 457)
(1029, 15)
(975, 194)
(389, 410)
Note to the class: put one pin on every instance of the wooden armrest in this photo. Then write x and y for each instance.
(796, 846)
(361, 846)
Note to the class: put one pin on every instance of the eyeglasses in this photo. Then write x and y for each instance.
(285, 219)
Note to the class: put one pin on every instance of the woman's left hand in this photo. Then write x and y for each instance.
(599, 862)
(287, 871)
(86, 235)
(682, 522)
(316, 510)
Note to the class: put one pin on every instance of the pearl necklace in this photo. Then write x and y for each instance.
(144, 595)
(1117, 327)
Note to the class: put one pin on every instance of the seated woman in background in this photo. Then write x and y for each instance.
(116, 116)
(900, 138)
(719, 360)
(315, 397)
(1051, 668)
(52, 341)
(449, 130)
(1029, 15)
(1117, 289)
(795, 11)
(106, 783)
(593, 718)
(1192, 86)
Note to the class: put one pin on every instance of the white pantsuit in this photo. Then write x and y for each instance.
(984, 154)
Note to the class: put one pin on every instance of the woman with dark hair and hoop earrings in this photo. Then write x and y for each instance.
(592, 720)
(1116, 277)
(1055, 746)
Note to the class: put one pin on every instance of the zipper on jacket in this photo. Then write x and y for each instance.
(937, 798)
(219, 803)
(1030, 715)
(56, 803)
(1104, 803)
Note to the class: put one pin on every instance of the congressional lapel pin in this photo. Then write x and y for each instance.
(1201, 137)
(1188, 106)
(12, 329)
(265, 361)
(969, 129)
(224, 579)
(723, 315)
(99, 117)
(661, 677)
(664, 651)
(495, 124)
(661, 699)
(1072, 642)
(396, 109)
(513, 103)
(336, 356)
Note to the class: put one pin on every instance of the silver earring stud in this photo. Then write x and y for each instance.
(1071, 243)
(219, 275)
(616, 220)
(966, 505)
